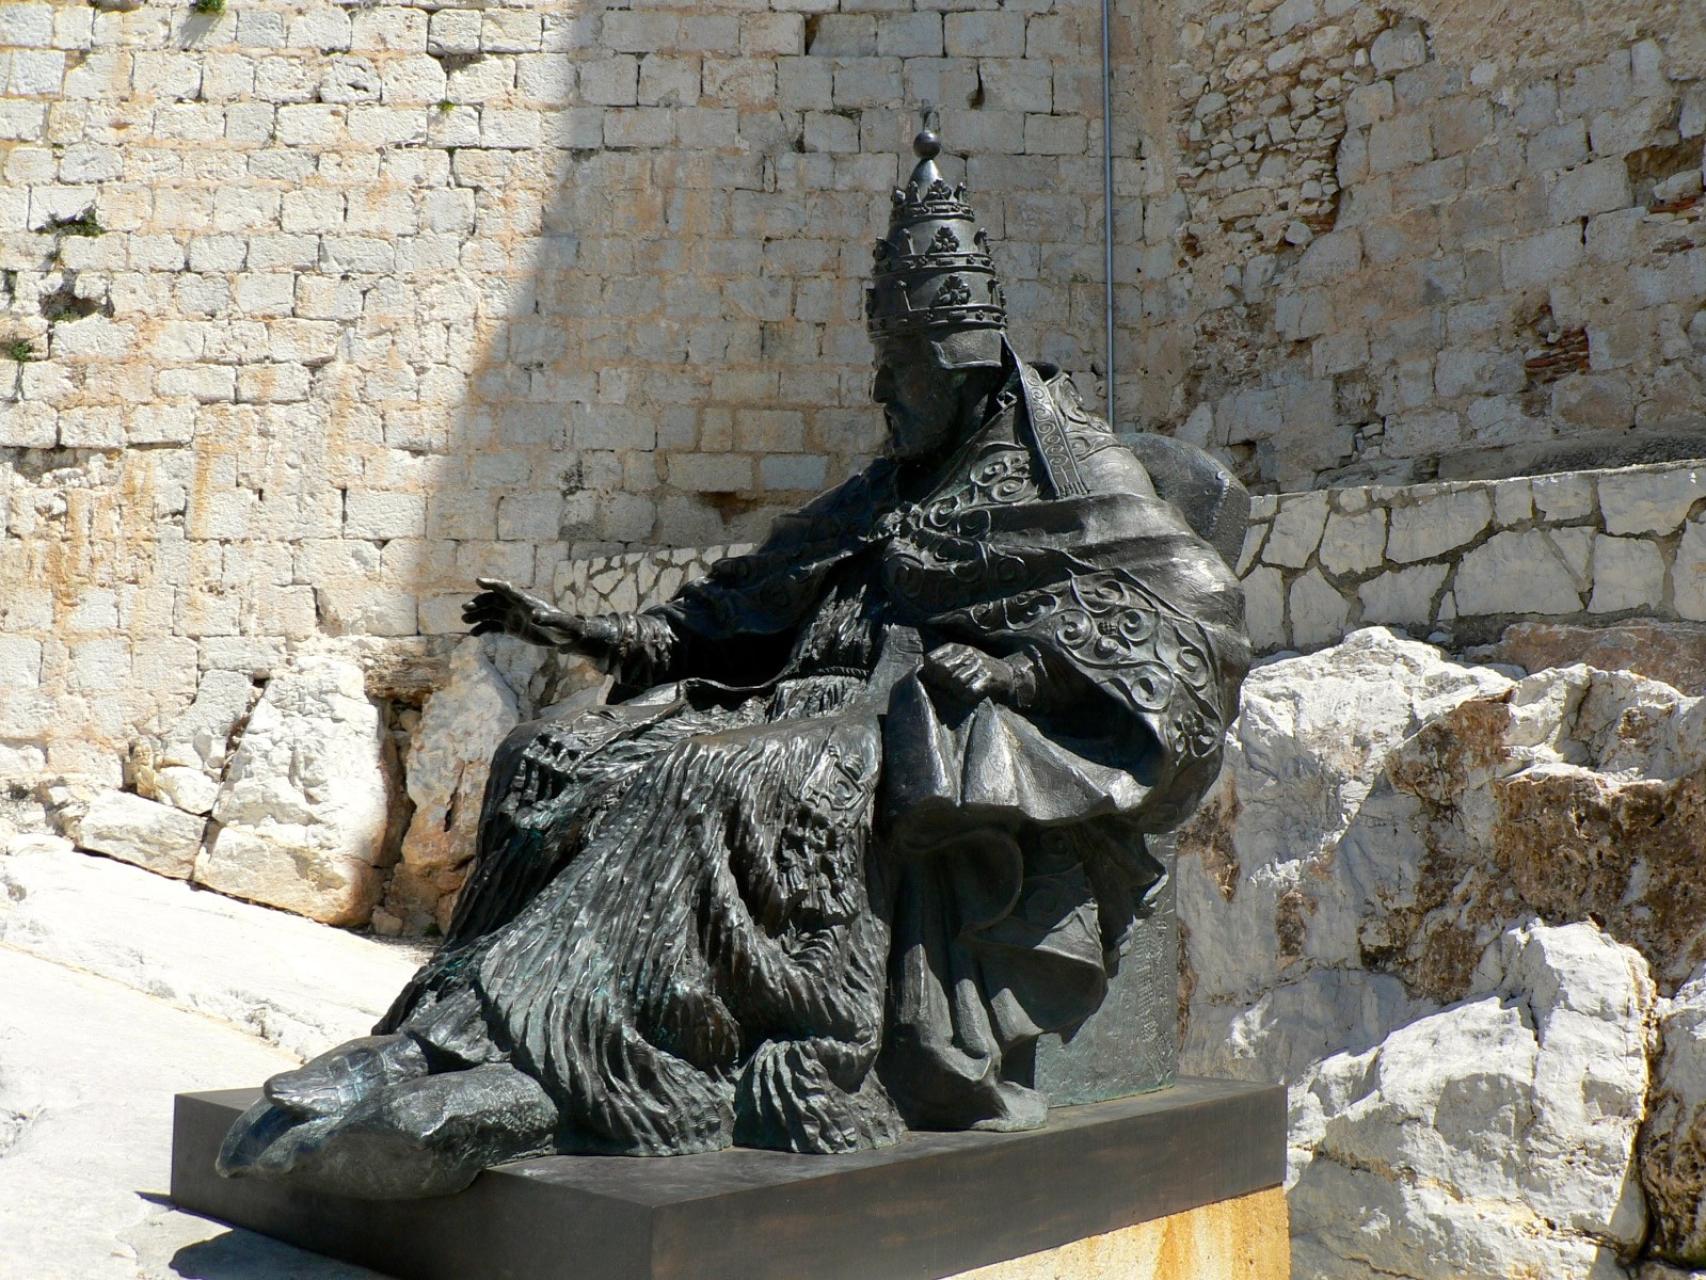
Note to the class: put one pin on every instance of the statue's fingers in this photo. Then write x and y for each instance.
(484, 628)
(495, 584)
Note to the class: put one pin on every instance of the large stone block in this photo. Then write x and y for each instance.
(1643, 501)
(1404, 597)
(461, 726)
(1361, 897)
(303, 816)
(1406, 1173)
(1296, 530)
(1627, 574)
(1437, 523)
(155, 836)
(1688, 575)
(1517, 573)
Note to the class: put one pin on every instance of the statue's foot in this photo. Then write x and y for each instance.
(333, 1083)
(423, 1137)
(1017, 1109)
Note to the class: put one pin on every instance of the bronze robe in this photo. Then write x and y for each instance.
(786, 894)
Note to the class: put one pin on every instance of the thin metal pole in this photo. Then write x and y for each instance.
(1108, 205)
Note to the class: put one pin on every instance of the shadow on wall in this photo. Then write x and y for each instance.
(669, 245)
(331, 310)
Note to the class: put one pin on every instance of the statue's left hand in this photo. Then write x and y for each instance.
(966, 673)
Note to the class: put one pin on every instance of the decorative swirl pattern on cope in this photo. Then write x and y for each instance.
(999, 476)
(1154, 655)
(932, 571)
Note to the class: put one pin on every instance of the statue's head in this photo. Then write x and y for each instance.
(935, 311)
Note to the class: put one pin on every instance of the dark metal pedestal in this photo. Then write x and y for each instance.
(936, 1205)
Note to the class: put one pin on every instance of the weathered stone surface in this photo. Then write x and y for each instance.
(1689, 573)
(1402, 595)
(1259, 874)
(156, 836)
(1296, 530)
(1672, 653)
(1492, 1138)
(1576, 791)
(201, 735)
(304, 812)
(1627, 574)
(1264, 608)
(461, 726)
(85, 1130)
(1673, 1140)
(1317, 612)
(1354, 543)
(1516, 573)
(1640, 501)
(1438, 523)
(281, 978)
(188, 789)
(1359, 899)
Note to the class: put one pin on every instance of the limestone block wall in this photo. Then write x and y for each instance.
(1422, 239)
(310, 313)
(1462, 559)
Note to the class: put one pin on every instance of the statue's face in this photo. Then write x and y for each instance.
(920, 400)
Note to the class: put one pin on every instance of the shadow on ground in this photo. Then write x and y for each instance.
(243, 1255)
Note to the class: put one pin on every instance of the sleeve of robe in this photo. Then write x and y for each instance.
(757, 599)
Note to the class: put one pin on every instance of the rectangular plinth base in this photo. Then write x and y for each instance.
(936, 1205)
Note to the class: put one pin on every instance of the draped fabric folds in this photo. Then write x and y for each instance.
(788, 893)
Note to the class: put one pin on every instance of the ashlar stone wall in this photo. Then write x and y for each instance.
(310, 313)
(1422, 239)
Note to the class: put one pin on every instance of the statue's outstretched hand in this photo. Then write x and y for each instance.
(966, 673)
(506, 609)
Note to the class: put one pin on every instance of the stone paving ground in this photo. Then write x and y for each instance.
(102, 965)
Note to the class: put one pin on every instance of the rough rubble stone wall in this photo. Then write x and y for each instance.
(1423, 239)
(311, 313)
